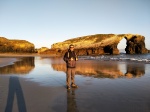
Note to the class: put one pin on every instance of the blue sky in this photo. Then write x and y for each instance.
(44, 22)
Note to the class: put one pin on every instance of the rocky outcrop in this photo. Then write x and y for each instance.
(92, 44)
(102, 44)
(53, 52)
(15, 46)
(135, 45)
(42, 49)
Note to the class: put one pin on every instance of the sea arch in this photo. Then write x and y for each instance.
(135, 44)
(122, 45)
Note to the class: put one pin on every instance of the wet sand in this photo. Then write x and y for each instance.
(30, 94)
(19, 95)
(7, 61)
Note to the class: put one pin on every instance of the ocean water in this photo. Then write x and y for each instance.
(144, 58)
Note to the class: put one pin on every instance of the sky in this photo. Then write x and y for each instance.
(44, 22)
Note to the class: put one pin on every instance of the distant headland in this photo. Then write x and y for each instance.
(97, 44)
(15, 46)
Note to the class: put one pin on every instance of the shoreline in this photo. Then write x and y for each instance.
(4, 61)
(11, 58)
(26, 55)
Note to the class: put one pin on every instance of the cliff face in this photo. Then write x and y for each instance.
(89, 41)
(15, 46)
(135, 45)
(103, 44)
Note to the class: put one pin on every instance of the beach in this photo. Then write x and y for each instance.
(38, 84)
(7, 61)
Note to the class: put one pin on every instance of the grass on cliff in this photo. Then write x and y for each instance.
(97, 37)
(7, 45)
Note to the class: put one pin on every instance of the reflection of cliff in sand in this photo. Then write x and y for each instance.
(102, 69)
(135, 70)
(24, 66)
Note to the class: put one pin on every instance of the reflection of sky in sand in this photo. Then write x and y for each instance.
(122, 67)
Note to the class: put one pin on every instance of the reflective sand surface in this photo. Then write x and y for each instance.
(37, 84)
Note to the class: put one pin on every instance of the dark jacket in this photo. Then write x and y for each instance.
(67, 58)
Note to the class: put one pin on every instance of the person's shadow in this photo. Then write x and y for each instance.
(15, 87)
(71, 101)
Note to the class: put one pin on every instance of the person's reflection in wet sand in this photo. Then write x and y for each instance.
(71, 101)
(15, 87)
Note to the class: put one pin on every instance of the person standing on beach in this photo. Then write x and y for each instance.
(70, 58)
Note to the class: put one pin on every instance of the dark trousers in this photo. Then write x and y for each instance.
(70, 75)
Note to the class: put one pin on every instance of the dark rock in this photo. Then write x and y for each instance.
(136, 45)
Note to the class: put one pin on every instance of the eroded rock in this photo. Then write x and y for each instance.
(136, 45)
(103, 44)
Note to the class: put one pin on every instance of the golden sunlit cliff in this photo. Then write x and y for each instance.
(101, 44)
(15, 46)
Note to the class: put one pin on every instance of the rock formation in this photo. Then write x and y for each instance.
(135, 45)
(15, 46)
(42, 49)
(87, 45)
(102, 44)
